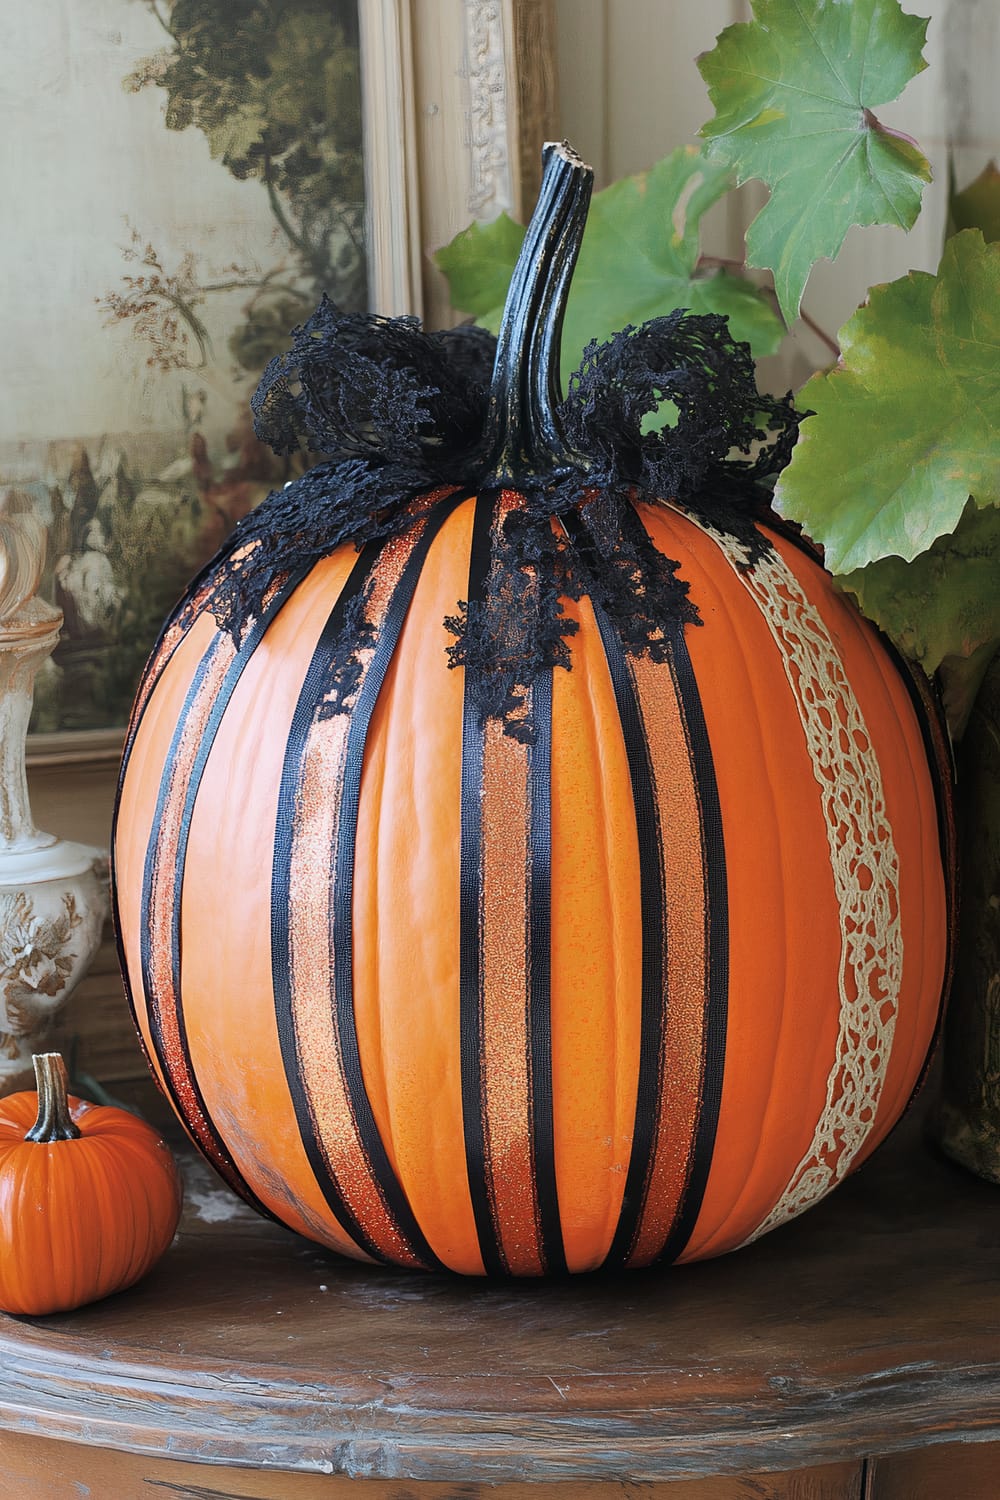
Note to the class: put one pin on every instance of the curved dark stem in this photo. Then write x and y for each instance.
(523, 433)
(54, 1122)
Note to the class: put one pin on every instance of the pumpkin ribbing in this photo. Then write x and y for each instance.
(559, 973)
(89, 1197)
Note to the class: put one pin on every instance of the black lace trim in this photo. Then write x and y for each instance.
(394, 413)
(519, 629)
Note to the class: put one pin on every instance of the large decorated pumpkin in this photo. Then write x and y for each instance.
(525, 860)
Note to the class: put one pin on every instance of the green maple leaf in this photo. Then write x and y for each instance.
(638, 261)
(906, 427)
(944, 603)
(794, 91)
(478, 264)
(978, 205)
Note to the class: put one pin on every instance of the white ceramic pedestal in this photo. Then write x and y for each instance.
(53, 894)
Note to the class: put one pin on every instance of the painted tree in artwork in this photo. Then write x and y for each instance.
(274, 86)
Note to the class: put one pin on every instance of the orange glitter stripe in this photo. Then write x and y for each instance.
(316, 1036)
(318, 1046)
(162, 999)
(162, 652)
(682, 1051)
(505, 1001)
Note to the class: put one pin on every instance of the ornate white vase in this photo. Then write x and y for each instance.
(53, 894)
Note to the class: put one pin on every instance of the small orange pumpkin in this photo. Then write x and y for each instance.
(89, 1197)
(526, 861)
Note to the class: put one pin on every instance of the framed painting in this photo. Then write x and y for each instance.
(192, 175)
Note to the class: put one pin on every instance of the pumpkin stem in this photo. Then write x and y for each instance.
(523, 433)
(54, 1123)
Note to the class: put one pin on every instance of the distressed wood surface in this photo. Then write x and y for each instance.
(950, 1472)
(35, 1469)
(533, 80)
(868, 1326)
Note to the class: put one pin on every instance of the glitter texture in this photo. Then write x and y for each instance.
(314, 1004)
(164, 649)
(683, 874)
(504, 998)
(162, 1000)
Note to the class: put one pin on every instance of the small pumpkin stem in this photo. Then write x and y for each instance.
(54, 1123)
(523, 435)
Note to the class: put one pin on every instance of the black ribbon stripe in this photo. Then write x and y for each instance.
(153, 1007)
(655, 999)
(131, 734)
(538, 940)
(540, 973)
(936, 739)
(343, 882)
(116, 922)
(716, 950)
(653, 987)
(472, 1042)
(342, 877)
(716, 947)
(281, 897)
(212, 571)
(221, 702)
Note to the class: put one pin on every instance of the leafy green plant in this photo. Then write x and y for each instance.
(641, 256)
(897, 469)
(794, 92)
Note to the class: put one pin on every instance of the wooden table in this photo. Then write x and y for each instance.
(860, 1344)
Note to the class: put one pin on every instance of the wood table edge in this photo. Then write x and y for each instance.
(418, 1429)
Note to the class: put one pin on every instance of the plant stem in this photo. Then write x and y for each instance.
(740, 267)
(54, 1122)
(813, 326)
(181, 305)
(523, 434)
(154, 7)
(315, 264)
(344, 218)
(258, 284)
